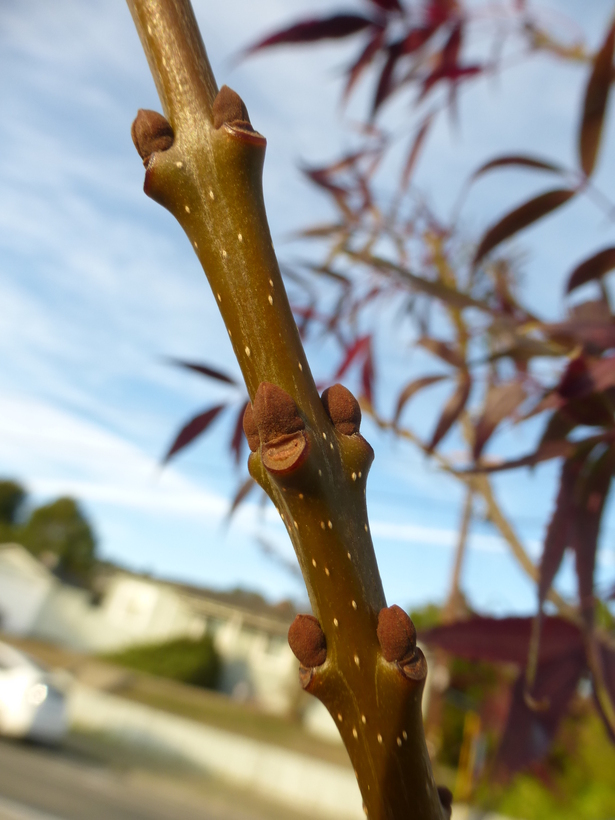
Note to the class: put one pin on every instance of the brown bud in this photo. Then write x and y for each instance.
(249, 429)
(229, 108)
(151, 132)
(275, 413)
(307, 641)
(446, 800)
(280, 428)
(343, 409)
(396, 634)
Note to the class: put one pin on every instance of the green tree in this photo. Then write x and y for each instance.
(182, 659)
(61, 530)
(12, 497)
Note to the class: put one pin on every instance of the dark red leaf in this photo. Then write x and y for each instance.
(452, 410)
(504, 640)
(346, 161)
(602, 373)
(451, 73)
(413, 155)
(367, 55)
(386, 85)
(518, 160)
(439, 11)
(367, 375)
(552, 449)
(557, 538)
(595, 336)
(530, 731)
(244, 490)
(321, 177)
(388, 5)
(409, 391)
(593, 268)
(592, 311)
(356, 350)
(450, 52)
(581, 397)
(416, 37)
(443, 350)
(585, 529)
(594, 107)
(593, 411)
(501, 401)
(238, 440)
(447, 66)
(308, 31)
(576, 380)
(559, 425)
(192, 430)
(204, 370)
(520, 218)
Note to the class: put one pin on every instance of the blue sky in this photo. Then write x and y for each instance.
(98, 285)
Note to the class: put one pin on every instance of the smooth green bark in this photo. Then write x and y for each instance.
(210, 180)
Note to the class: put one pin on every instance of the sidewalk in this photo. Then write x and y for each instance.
(293, 780)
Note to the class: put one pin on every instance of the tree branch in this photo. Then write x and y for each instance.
(306, 452)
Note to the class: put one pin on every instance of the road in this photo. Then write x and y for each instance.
(75, 783)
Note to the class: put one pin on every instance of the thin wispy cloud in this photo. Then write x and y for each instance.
(98, 284)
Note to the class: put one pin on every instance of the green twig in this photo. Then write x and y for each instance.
(204, 165)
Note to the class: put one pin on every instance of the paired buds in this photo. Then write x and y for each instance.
(274, 416)
(150, 132)
(273, 422)
(307, 641)
(397, 638)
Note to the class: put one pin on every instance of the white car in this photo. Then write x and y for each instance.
(31, 706)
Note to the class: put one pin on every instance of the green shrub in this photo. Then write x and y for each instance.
(185, 660)
(575, 782)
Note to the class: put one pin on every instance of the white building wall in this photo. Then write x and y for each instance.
(24, 585)
(256, 665)
(133, 612)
